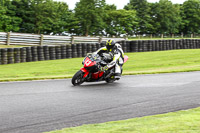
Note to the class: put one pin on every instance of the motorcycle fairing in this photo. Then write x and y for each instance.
(97, 75)
(125, 58)
(85, 71)
(88, 62)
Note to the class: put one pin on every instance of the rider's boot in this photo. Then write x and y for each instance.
(118, 72)
(117, 76)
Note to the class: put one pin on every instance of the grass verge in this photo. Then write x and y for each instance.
(158, 38)
(12, 46)
(186, 121)
(138, 63)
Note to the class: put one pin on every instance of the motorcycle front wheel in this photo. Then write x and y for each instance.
(78, 78)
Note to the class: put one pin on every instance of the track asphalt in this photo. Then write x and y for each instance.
(39, 106)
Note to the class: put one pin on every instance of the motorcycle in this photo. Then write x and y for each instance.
(91, 73)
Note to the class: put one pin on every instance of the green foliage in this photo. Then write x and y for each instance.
(95, 17)
(51, 16)
(26, 12)
(44, 14)
(8, 20)
(2, 18)
(120, 22)
(167, 17)
(64, 20)
(39, 16)
(144, 20)
(153, 14)
(90, 13)
(110, 7)
(191, 16)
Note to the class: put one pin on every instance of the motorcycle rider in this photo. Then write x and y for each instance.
(117, 53)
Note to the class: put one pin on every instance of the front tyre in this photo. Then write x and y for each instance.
(78, 78)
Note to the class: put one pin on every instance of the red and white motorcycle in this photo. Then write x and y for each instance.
(91, 73)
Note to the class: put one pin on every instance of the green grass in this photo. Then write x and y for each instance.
(138, 63)
(159, 38)
(186, 121)
(163, 62)
(12, 46)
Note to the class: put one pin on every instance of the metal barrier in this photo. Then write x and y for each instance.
(11, 38)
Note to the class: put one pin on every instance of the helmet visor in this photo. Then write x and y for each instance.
(109, 47)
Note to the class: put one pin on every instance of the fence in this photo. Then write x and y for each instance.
(165, 36)
(40, 53)
(11, 38)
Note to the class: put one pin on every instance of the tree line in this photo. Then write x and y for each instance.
(95, 17)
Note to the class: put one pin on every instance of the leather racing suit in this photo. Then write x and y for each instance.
(118, 58)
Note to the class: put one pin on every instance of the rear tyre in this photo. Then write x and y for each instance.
(110, 80)
(78, 78)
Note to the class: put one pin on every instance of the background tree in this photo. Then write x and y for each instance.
(90, 13)
(168, 17)
(3, 15)
(8, 20)
(64, 20)
(24, 10)
(95, 17)
(154, 16)
(44, 16)
(191, 16)
(120, 22)
(142, 9)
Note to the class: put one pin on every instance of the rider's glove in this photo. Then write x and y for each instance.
(103, 68)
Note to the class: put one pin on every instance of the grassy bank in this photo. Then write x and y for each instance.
(138, 63)
(12, 46)
(186, 121)
(159, 38)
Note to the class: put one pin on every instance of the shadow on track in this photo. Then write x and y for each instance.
(97, 85)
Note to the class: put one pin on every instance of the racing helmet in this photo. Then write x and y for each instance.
(110, 44)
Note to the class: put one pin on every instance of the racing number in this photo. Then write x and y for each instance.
(87, 63)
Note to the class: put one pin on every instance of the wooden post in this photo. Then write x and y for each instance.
(100, 39)
(172, 35)
(151, 36)
(41, 39)
(162, 36)
(181, 35)
(125, 38)
(8, 38)
(72, 40)
(191, 35)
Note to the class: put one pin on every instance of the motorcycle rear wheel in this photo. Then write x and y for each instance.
(78, 78)
(110, 80)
